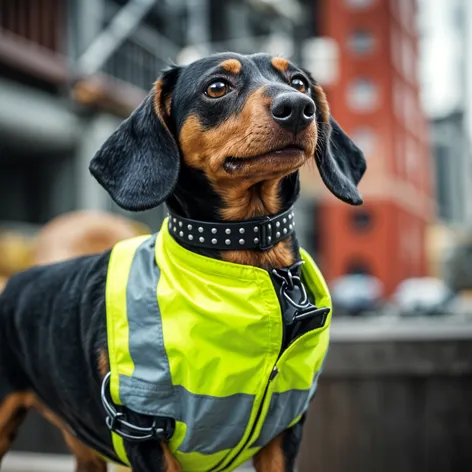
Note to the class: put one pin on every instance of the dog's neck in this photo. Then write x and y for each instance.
(195, 199)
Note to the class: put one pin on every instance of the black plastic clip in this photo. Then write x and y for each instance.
(294, 299)
(313, 312)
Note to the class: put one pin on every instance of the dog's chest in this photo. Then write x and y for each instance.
(202, 342)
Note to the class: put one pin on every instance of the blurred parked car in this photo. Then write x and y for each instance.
(357, 294)
(422, 296)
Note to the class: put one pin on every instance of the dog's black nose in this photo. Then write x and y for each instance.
(294, 111)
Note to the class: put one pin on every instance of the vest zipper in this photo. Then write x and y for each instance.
(272, 376)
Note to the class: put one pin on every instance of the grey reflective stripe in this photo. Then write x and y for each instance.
(146, 344)
(213, 424)
(283, 409)
(148, 399)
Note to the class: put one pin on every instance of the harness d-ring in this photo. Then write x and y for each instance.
(116, 420)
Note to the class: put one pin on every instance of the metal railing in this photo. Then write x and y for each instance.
(140, 58)
(32, 31)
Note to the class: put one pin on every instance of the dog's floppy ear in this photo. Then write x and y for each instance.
(139, 163)
(340, 162)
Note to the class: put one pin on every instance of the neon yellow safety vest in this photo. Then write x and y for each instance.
(196, 339)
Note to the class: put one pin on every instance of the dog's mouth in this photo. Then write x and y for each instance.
(274, 157)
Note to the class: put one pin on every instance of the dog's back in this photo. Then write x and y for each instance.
(42, 304)
(52, 320)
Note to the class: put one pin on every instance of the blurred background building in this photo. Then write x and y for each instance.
(71, 70)
(375, 94)
(398, 76)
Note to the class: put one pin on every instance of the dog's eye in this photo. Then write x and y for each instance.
(299, 84)
(217, 89)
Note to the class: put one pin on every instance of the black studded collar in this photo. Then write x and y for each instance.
(259, 233)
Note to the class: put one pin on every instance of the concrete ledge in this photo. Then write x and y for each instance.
(389, 328)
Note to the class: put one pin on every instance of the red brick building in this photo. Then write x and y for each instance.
(375, 97)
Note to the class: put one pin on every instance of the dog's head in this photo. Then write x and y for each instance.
(227, 119)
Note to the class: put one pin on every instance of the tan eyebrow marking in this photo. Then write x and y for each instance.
(231, 65)
(280, 64)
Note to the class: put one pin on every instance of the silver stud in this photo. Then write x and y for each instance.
(190, 237)
(269, 226)
(189, 227)
(256, 240)
(269, 239)
(180, 223)
(227, 231)
(290, 216)
(285, 230)
(213, 230)
(290, 226)
(227, 242)
(284, 220)
(241, 241)
(200, 229)
(175, 229)
(181, 233)
(174, 220)
(214, 241)
(256, 229)
(277, 224)
(242, 230)
(201, 239)
(277, 235)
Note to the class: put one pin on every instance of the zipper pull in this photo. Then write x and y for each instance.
(273, 374)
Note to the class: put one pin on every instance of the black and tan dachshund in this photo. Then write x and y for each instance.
(219, 140)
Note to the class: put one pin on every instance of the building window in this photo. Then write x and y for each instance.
(362, 95)
(361, 42)
(359, 3)
(365, 137)
(320, 56)
(361, 220)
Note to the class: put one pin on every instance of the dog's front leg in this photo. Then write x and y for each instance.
(151, 456)
(280, 454)
(271, 457)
